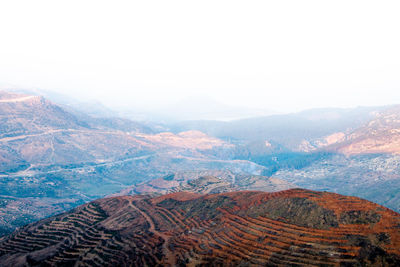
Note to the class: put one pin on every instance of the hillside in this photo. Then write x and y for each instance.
(40, 134)
(206, 182)
(287, 130)
(294, 227)
(22, 115)
(381, 135)
(363, 162)
(347, 151)
(375, 177)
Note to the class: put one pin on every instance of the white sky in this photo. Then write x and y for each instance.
(282, 55)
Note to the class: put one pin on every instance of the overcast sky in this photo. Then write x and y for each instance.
(281, 55)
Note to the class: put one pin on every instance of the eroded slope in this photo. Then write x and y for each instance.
(293, 227)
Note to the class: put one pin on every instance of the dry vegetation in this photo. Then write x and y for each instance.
(293, 227)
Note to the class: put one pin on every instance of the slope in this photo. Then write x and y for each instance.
(206, 182)
(295, 227)
(52, 160)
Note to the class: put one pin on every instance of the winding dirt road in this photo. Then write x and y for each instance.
(168, 257)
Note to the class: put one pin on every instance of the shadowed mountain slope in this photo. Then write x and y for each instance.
(294, 227)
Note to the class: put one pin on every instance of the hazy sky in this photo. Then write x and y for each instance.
(282, 55)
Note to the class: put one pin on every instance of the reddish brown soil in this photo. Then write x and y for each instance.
(294, 227)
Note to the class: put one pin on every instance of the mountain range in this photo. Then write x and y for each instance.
(347, 151)
(181, 193)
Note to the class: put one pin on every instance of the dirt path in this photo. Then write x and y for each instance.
(31, 173)
(168, 257)
(52, 131)
(13, 100)
(18, 137)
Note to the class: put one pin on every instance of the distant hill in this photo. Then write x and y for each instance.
(288, 130)
(377, 136)
(206, 182)
(288, 228)
(42, 133)
(348, 151)
(91, 108)
(364, 162)
(27, 114)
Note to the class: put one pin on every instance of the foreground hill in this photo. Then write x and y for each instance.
(294, 227)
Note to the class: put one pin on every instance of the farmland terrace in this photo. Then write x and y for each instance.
(293, 227)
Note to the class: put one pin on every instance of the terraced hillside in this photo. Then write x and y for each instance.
(207, 182)
(295, 227)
